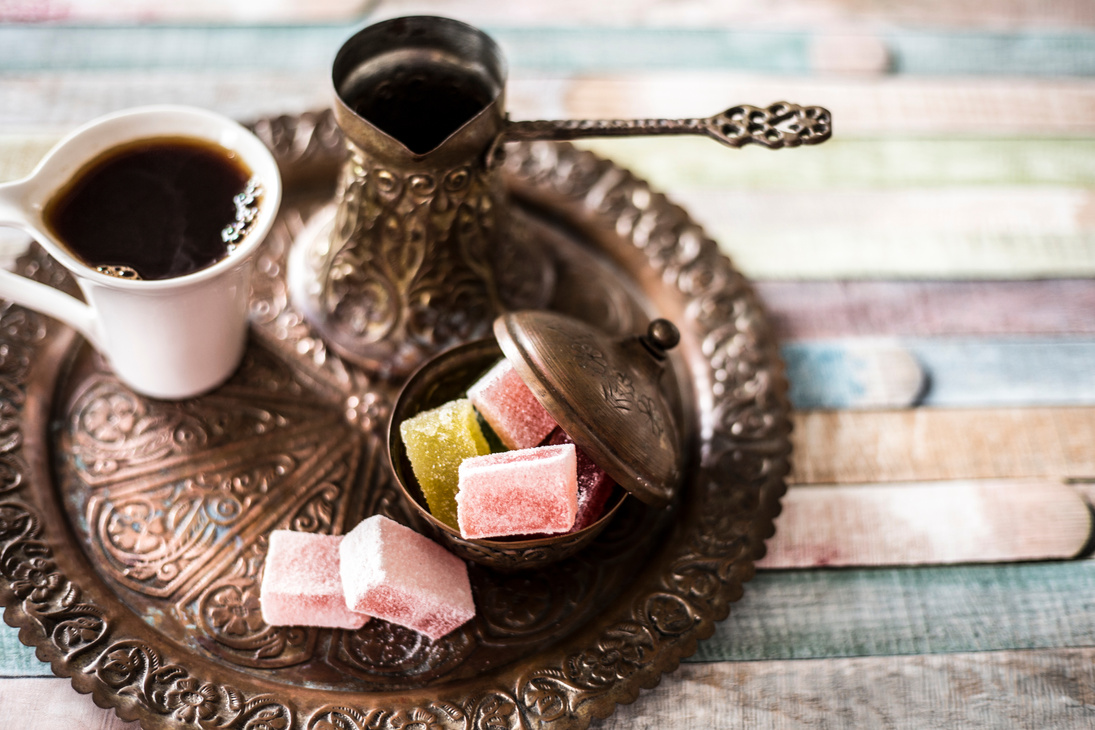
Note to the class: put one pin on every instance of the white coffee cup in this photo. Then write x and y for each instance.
(165, 338)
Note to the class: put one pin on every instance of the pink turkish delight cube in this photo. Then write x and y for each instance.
(518, 492)
(302, 584)
(393, 573)
(594, 484)
(507, 404)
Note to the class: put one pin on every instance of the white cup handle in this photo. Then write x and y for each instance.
(35, 295)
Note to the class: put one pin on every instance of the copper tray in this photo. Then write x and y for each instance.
(132, 532)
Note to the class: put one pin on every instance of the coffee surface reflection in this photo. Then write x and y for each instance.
(156, 208)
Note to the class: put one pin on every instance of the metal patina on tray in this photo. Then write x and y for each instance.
(132, 531)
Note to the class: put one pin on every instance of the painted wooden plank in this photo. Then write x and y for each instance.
(1003, 232)
(560, 48)
(953, 210)
(840, 254)
(52, 704)
(996, 231)
(860, 106)
(1043, 689)
(836, 14)
(16, 659)
(848, 447)
(564, 47)
(1018, 371)
(929, 523)
(1086, 489)
(819, 613)
(903, 105)
(941, 373)
(1025, 14)
(848, 374)
(33, 111)
(154, 11)
(53, 103)
(990, 53)
(857, 163)
(816, 614)
(829, 309)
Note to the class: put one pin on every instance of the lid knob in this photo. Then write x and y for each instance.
(604, 392)
(661, 336)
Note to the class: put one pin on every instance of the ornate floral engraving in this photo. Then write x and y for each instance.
(418, 259)
(135, 669)
(778, 125)
(326, 421)
(383, 655)
(393, 255)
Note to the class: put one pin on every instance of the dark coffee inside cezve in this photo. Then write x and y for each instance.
(421, 106)
(156, 208)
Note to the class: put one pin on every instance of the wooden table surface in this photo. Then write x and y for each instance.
(929, 271)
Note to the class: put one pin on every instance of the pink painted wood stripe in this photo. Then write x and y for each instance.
(840, 15)
(924, 444)
(817, 309)
(52, 704)
(1032, 689)
(976, 521)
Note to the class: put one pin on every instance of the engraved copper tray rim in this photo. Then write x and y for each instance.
(740, 464)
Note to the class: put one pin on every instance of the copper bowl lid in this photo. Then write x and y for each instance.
(604, 393)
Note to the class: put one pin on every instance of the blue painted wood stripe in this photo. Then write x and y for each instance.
(960, 372)
(808, 614)
(17, 660)
(33, 48)
(1011, 372)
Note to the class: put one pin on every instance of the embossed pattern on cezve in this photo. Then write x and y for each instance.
(164, 627)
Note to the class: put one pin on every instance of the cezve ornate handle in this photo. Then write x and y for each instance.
(778, 125)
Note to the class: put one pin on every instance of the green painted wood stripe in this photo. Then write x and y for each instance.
(817, 614)
(848, 254)
(988, 231)
(814, 614)
(852, 164)
(556, 49)
(1009, 54)
(871, 163)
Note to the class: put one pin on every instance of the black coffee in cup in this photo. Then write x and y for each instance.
(156, 208)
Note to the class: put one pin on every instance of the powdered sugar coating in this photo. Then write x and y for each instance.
(302, 584)
(436, 441)
(518, 492)
(394, 573)
(507, 404)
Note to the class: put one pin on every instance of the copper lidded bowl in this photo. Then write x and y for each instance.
(605, 394)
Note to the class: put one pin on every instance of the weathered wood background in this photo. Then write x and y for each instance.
(930, 272)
